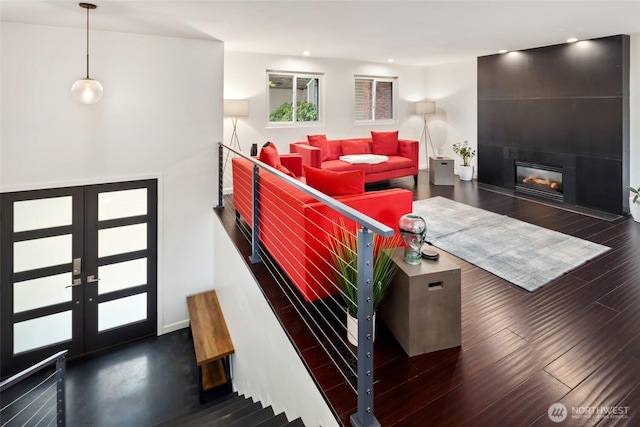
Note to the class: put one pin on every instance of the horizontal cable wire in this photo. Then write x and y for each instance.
(41, 406)
(283, 283)
(24, 395)
(45, 415)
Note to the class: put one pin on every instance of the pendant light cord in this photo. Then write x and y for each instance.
(87, 43)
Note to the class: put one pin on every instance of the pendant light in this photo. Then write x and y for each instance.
(87, 90)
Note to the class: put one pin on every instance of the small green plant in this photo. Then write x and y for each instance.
(305, 112)
(636, 191)
(343, 246)
(464, 151)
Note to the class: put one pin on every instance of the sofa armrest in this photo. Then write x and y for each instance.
(293, 162)
(310, 155)
(409, 148)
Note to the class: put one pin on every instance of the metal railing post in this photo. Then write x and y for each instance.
(364, 416)
(61, 373)
(255, 207)
(220, 176)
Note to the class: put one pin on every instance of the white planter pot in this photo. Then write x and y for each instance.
(465, 173)
(634, 209)
(352, 329)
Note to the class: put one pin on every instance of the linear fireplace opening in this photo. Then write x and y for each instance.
(539, 180)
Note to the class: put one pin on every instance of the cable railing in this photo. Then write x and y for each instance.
(267, 202)
(39, 398)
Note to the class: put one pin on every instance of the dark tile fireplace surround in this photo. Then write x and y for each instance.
(565, 110)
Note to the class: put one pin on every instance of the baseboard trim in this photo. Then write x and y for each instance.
(174, 327)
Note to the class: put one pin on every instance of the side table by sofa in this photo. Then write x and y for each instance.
(423, 305)
(441, 171)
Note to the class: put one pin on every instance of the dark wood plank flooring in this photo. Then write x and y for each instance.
(575, 341)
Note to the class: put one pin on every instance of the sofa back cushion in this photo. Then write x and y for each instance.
(385, 143)
(335, 183)
(320, 141)
(270, 156)
(355, 146)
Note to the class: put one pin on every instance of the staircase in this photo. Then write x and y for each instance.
(233, 411)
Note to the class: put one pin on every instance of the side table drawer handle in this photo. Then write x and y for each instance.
(436, 285)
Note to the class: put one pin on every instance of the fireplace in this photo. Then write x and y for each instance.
(538, 180)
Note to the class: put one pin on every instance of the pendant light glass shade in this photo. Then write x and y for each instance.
(87, 90)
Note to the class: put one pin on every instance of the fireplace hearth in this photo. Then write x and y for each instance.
(538, 180)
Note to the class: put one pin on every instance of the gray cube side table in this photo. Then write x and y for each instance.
(441, 171)
(423, 305)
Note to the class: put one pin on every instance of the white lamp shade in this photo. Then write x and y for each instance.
(425, 107)
(236, 107)
(87, 91)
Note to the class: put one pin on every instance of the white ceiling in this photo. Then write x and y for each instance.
(410, 32)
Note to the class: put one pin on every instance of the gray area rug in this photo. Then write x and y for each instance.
(524, 254)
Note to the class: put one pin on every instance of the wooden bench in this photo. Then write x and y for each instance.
(211, 341)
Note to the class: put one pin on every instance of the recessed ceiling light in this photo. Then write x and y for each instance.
(306, 53)
(502, 51)
(390, 60)
(572, 40)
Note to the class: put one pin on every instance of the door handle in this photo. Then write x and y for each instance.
(76, 282)
(91, 279)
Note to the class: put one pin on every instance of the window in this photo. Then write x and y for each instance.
(375, 99)
(293, 98)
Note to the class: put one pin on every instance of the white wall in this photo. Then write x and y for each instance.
(634, 113)
(266, 367)
(454, 88)
(246, 78)
(160, 117)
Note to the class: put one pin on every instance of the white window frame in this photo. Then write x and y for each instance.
(320, 101)
(394, 100)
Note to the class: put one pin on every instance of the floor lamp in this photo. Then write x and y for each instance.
(235, 108)
(425, 108)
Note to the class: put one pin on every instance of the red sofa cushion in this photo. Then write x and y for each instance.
(269, 155)
(335, 183)
(355, 146)
(385, 143)
(321, 142)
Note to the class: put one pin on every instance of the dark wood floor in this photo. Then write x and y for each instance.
(575, 341)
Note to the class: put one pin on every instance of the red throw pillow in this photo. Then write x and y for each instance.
(335, 183)
(269, 155)
(320, 141)
(355, 146)
(385, 143)
(285, 171)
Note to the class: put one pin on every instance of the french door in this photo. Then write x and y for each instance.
(79, 270)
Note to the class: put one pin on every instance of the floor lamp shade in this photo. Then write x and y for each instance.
(425, 107)
(236, 107)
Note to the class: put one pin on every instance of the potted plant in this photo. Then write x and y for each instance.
(463, 150)
(343, 246)
(634, 203)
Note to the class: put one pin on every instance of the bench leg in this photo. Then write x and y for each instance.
(415, 179)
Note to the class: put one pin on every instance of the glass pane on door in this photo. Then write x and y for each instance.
(41, 292)
(41, 331)
(122, 311)
(122, 204)
(28, 214)
(120, 240)
(39, 253)
(122, 275)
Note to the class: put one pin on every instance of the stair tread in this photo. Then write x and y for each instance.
(254, 418)
(227, 418)
(215, 405)
(277, 421)
(296, 423)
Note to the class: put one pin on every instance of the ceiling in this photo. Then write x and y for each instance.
(411, 32)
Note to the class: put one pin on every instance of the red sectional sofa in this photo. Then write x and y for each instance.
(403, 162)
(294, 225)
